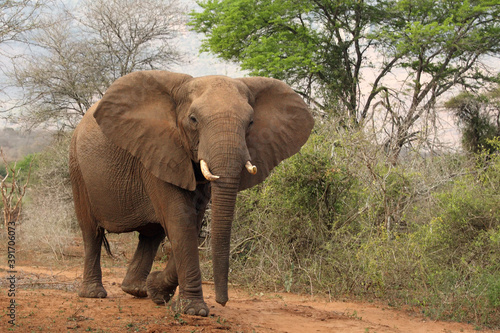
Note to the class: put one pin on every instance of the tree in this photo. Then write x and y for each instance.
(316, 46)
(80, 53)
(323, 48)
(478, 117)
(440, 44)
(17, 18)
(134, 34)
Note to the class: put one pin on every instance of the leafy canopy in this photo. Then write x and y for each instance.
(322, 47)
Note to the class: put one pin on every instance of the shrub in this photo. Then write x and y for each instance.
(49, 223)
(338, 218)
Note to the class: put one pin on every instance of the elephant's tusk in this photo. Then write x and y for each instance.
(251, 168)
(206, 171)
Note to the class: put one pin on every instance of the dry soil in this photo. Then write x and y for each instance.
(47, 301)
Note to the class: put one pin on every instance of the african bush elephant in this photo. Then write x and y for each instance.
(152, 152)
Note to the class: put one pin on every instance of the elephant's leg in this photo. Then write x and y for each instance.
(92, 237)
(92, 276)
(161, 285)
(186, 273)
(134, 282)
(182, 222)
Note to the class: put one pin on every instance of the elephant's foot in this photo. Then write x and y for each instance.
(158, 290)
(135, 288)
(92, 290)
(191, 307)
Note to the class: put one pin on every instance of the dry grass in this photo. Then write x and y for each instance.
(48, 223)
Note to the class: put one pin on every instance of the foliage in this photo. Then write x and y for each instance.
(338, 54)
(20, 150)
(52, 172)
(280, 39)
(479, 118)
(24, 165)
(339, 218)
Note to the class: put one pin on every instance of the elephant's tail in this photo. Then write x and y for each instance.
(105, 242)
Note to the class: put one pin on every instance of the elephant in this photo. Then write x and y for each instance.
(151, 154)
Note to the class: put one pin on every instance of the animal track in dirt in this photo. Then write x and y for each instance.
(47, 301)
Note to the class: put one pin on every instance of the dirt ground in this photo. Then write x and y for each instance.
(47, 302)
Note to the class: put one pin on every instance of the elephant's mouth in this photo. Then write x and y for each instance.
(200, 179)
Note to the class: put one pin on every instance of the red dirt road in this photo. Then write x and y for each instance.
(47, 302)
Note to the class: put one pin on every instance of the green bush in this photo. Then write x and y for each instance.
(22, 168)
(338, 218)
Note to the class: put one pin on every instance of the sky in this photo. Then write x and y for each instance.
(201, 64)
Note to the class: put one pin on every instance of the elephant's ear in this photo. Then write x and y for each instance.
(282, 124)
(138, 114)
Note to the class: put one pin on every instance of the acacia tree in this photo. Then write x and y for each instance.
(323, 48)
(134, 34)
(80, 53)
(478, 116)
(440, 45)
(316, 46)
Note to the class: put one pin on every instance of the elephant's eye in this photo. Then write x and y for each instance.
(193, 119)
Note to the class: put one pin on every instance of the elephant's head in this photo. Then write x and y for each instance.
(235, 130)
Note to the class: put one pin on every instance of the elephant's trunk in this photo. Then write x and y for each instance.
(224, 150)
(224, 193)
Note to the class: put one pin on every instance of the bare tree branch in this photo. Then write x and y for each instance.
(80, 53)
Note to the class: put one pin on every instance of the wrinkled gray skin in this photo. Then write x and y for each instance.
(135, 166)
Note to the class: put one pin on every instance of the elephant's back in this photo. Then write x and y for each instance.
(112, 177)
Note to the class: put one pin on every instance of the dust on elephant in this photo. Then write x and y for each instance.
(155, 149)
